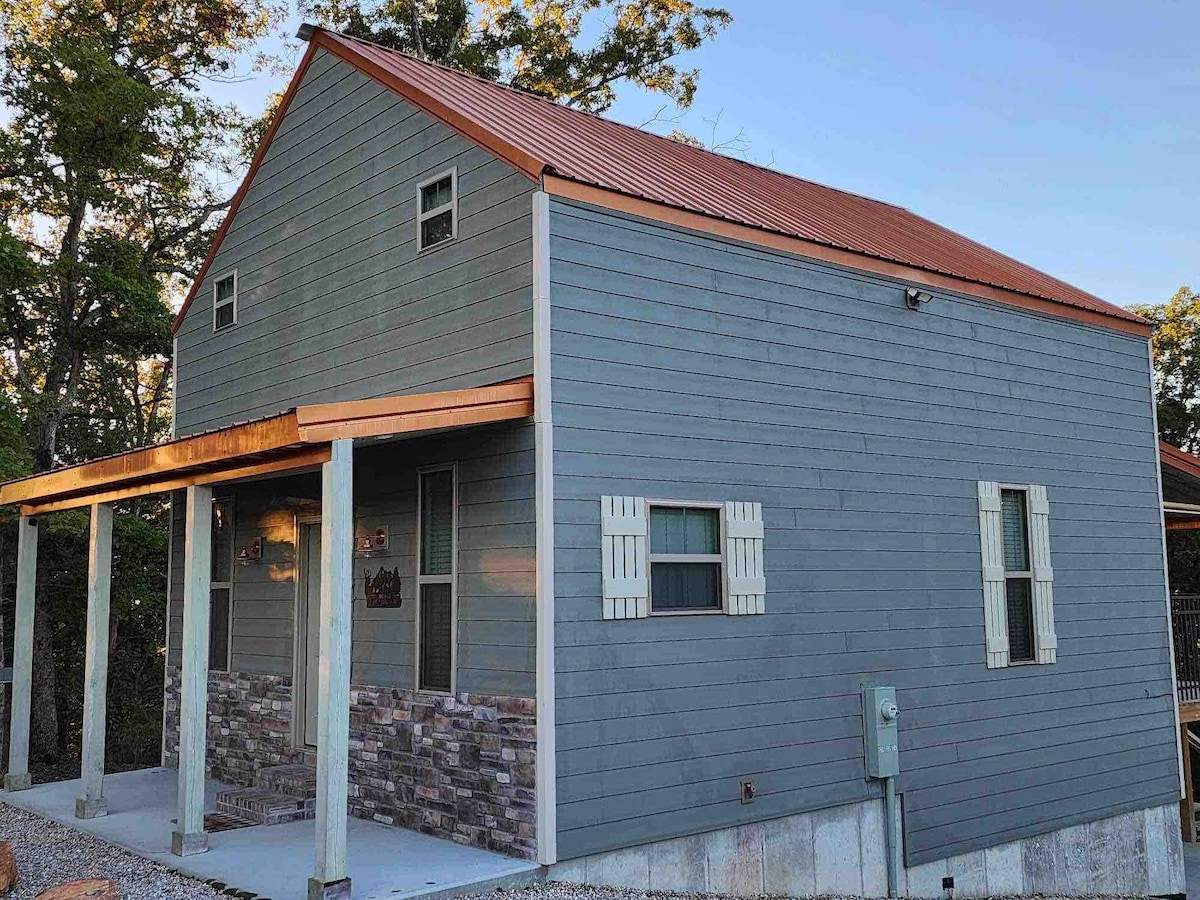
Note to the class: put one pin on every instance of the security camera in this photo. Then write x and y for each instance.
(915, 299)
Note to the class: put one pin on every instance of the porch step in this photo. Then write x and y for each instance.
(263, 806)
(292, 780)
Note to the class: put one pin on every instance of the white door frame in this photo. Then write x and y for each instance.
(300, 631)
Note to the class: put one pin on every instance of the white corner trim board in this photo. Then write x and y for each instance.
(543, 429)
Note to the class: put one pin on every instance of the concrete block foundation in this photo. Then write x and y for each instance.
(841, 851)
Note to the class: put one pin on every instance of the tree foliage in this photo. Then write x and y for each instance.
(574, 52)
(1176, 346)
(114, 170)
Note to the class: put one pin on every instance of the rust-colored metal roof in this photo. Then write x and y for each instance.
(539, 136)
(547, 141)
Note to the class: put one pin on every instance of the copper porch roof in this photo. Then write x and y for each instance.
(546, 137)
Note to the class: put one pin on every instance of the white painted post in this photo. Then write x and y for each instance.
(330, 878)
(189, 837)
(17, 778)
(95, 666)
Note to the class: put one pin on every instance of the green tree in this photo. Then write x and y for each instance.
(1176, 346)
(572, 51)
(112, 171)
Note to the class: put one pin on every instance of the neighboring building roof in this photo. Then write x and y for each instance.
(544, 139)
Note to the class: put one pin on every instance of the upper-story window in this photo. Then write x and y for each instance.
(225, 301)
(437, 210)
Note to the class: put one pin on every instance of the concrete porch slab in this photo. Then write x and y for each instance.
(271, 861)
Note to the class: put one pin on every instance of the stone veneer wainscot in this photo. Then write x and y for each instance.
(458, 767)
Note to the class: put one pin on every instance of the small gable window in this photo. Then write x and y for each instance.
(437, 204)
(225, 301)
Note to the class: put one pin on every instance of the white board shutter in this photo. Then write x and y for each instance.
(624, 529)
(991, 547)
(745, 582)
(1045, 640)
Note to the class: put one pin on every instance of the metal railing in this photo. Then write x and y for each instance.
(1185, 621)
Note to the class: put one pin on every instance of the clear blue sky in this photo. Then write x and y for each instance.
(1064, 134)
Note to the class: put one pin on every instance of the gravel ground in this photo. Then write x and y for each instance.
(49, 854)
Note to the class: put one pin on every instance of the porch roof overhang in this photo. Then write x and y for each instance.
(296, 440)
(1180, 488)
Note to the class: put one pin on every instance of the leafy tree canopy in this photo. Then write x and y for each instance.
(572, 51)
(1177, 367)
(110, 161)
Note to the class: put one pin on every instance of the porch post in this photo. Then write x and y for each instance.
(17, 778)
(95, 666)
(330, 877)
(189, 838)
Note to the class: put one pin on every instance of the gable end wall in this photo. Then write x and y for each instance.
(689, 367)
(334, 300)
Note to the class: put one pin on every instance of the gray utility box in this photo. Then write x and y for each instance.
(880, 717)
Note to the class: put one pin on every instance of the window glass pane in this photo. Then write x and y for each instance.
(225, 288)
(685, 585)
(222, 541)
(437, 228)
(437, 194)
(677, 530)
(435, 637)
(1020, 619)
(218, 630)
(437, 522)
(1016, 543)
(224, 316)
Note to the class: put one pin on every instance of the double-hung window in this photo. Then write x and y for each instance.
(220, 616)
(1018, 575)
(225, 291)
(437, 546)
(1018, 580)
(685, 559)
(668, 557)
(437, 210)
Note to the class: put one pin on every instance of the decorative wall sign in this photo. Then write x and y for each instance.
(383, 590)
(372, 541)
(251, 551)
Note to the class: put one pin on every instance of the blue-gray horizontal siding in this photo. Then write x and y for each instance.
(334, 300)
(685, 367)
(495, 562)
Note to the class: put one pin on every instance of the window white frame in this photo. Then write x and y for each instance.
(214, 585)
(718, 557)
(232, 301)
(452, 206)
(300, 626)
(1027, 575)
(451, 579)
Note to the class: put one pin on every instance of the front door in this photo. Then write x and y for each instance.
(308, 638)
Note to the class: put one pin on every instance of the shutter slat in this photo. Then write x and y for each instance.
(1044, 635)
(991, 547)
(742, 552)
(626, 582)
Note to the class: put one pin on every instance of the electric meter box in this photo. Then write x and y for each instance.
(882, 732)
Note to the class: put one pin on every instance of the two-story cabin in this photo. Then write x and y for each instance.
(561, 490)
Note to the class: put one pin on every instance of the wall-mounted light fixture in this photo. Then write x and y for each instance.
(372, 541)
(916, 298)
(251, 551)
